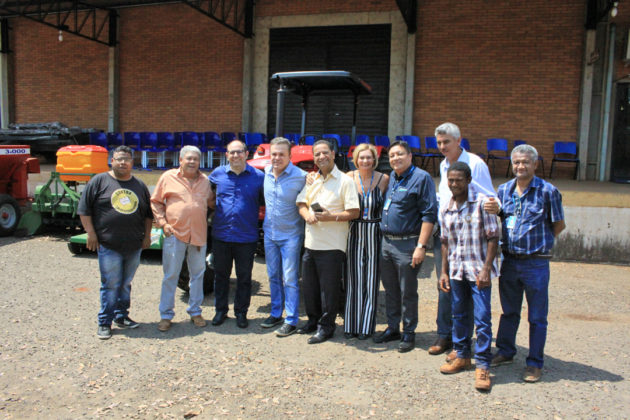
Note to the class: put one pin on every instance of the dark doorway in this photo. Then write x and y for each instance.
(363, 50)
(620, 162)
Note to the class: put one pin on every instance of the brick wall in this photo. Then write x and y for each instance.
(56, 81)
(179, 70)
(308, 7)
(500, 69)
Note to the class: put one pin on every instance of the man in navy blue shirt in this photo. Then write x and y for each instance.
(409, 213)
(532, 216)
(239, 189)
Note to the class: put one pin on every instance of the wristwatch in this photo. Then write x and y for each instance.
(421, 246)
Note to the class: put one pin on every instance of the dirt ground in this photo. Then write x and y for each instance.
(53, 366)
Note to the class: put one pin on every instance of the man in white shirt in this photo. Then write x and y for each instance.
(448, 138)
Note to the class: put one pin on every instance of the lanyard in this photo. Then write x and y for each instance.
(396, 184)
(517, 204)
(366, 196)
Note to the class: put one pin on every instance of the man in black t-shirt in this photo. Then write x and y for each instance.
(115, 211)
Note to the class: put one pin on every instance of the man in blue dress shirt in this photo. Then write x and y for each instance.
(239, 188)
(532, 217)
(284, 236)
(409, 213)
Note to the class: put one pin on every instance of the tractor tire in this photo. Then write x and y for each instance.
(76, 249)
(9, 215)
(208, 279)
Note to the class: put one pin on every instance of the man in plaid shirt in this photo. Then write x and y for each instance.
(469, 239)
(532, 217)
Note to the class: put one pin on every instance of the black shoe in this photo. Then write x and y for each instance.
(320, 337)
(387, 335)
(126, 322)
(286, 330)
(407, 343)
(272, 321)
(219, 318)
(104, 332)
(307, 328)
(241, 320)
(349, 336)
(363, 336)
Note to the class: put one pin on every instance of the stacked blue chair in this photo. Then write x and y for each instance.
(292, 137)
(381, 141)
(308, 139)
(566, 152)
(362, 138)
(414, 144)
(227, 137)
(345, 142)
(540, 158)
(149, 144)
(177, 146)
(166, 143)
(214, 144)
(498, 145)
(337, 138)
(98, 139)
(465, 144)
(113, 141)
(132, 140)
(253, 140)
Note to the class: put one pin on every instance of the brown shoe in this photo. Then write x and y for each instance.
(164, 324)
(455, 366)
(451, 356)
(440, 346)
(500, 359)
(532, 374)
(482, 379)
(198, 321)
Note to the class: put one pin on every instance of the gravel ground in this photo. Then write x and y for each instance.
(53, 366)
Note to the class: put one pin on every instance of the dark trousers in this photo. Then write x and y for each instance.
(400, 281)
(321, 284)
(243, 256)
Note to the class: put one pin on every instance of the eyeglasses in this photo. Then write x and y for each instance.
(123, 159)
(236, 152)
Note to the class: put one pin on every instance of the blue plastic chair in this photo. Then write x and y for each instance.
(566, 152)
(227, 137)
(308, 139)
(337, 137)
(431, 153)
(98, 139)
(498, 145)
(362, 138)
(132, 140)
(292, 137)
(414, 144)
(114, 140)
(381, 141)
(166, 142)
(214, 144)
(465, 144)
(253, 140)
(149, 144)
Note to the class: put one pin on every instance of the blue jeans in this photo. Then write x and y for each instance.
(444, 318)
(173, 253)
(465, 292)
(532, 277)
(283, 259)
(117, 271)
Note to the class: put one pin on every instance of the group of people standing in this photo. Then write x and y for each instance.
(341, 232)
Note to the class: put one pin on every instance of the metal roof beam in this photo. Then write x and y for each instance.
(67, 17)
(236, 15)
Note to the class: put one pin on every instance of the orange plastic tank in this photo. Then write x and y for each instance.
(78, 160)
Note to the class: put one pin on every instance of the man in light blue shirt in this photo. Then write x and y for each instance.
(284, 236)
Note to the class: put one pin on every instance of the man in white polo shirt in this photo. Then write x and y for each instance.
(326, 205)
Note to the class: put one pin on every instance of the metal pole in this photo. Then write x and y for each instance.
(603, 157)
(354, 119)
(280, 110)
(304, 106)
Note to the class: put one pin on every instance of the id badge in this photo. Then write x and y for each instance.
(387, 203)
(510, 222)
(365, 213)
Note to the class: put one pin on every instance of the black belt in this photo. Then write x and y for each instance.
(399, 237)
(366, 221)
(526, 256)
